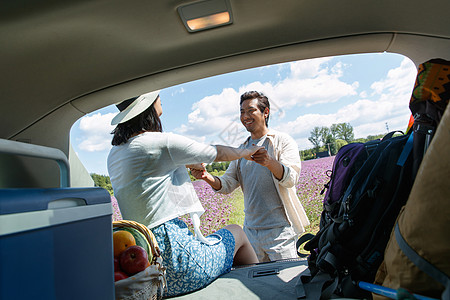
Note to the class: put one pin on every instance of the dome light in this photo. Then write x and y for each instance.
(205, 14)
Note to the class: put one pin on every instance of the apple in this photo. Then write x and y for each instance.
(116, 264)
(133, 260)
(119, 275)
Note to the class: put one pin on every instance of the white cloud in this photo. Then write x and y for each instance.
(178, 91)
(363, 94)
(311, 82)
(398, 80)
(368, 117)
(326, 88)
(211, 114)
(96, 132)
(308, 68)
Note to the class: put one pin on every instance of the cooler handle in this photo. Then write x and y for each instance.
(24, 149)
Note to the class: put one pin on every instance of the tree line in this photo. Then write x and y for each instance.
(102, 181)
(330, 139)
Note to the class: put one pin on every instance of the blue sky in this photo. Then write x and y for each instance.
(366, 90)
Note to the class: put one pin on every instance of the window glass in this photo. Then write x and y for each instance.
(368, 93)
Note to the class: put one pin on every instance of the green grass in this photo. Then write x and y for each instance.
(237, 216)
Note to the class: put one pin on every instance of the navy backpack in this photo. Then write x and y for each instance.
(368, 186)
(347, 162)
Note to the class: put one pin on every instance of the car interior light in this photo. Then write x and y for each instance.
(209, 21)
(205, 14)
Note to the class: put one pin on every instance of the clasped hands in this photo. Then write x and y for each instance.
(255, 153)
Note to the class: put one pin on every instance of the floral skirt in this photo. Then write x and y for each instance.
(191, 264)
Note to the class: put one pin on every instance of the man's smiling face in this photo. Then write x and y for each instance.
(252, 118)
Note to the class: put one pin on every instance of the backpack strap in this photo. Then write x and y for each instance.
(406, 151)
(391, 134)
(422, 263)
(303, 239)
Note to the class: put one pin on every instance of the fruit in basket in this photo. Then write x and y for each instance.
(119, 275)
(140, 239)
(134, 260)
(122, 240)
(116, 264)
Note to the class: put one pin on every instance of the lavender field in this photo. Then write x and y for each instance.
(311, 183)
(221, 210)
(218, 208)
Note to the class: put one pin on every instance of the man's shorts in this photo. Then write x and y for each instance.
(273, 243)
(191, 264)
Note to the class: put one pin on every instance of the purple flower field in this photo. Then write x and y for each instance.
(219, 207)
(116, 211)
(312, 179)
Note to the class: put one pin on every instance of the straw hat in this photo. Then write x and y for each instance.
(132, 107)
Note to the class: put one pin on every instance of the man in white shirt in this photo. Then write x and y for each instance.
(274, 216)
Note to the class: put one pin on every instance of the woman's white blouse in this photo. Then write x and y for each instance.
(149, 177)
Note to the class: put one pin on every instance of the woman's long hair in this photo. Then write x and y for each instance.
(148, 120)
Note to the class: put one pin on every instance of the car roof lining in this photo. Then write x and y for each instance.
(369, 43)
(94, 53)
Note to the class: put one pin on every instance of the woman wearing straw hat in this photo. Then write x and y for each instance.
(148, 173)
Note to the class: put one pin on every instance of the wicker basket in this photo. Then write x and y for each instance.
(148, 284)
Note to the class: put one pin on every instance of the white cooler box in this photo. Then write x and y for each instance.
(56, 244)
